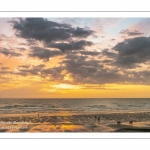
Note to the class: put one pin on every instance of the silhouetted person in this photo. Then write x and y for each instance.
(95, 117)
(98, 119)
(130, 122)
(118, 122)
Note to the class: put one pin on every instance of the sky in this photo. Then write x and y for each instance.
(74, 57)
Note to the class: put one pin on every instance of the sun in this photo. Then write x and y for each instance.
(66, 86)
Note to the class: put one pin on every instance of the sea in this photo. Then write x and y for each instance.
(73, 105)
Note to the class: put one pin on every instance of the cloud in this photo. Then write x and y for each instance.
(81, 32)
(53, 73)
(31, 42)
(142, 26)
(5, 68)
(8, 52)
(113, 39)
(43, 53)
(21, 48)
(23, 44)
(133, 51)
(131, 33)
(24, 66)
(43, 30)
(35, 70)
(139, 77)
(41, 71)
(90, 71)
(82, 65)
(59, 37)
(86, 70)
(6, 72)
(91, 53)
(74, 60)
(73, 45)
(107, 61)
(107, 53)
(18, 48)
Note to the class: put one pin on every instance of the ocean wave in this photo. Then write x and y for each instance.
(18, 106)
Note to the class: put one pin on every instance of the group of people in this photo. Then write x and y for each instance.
(118, 122)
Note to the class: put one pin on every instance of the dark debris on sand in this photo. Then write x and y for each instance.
(132, 130)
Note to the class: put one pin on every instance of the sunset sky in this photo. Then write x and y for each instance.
(74, 57)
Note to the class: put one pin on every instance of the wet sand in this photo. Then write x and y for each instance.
(100, 122)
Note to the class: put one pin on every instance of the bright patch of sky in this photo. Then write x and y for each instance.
(124, 24)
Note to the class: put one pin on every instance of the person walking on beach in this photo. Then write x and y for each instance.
(98, 119)
(118, 122)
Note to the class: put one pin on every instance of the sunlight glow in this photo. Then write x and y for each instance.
(65, 86)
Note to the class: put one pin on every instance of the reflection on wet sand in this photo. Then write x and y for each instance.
(108, 122)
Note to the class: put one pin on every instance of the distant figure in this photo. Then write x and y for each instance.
(95, 117)
(118, 122)
(92, 130)
(130, 122)
(98, 119)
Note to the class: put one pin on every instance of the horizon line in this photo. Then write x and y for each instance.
(76, 98)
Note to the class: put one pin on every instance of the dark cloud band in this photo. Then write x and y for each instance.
(43, 30)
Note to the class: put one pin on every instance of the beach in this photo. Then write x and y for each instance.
(100, 122)
(74, 115)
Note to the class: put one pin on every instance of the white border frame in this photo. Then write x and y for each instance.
(106, 14)
(77, 14)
